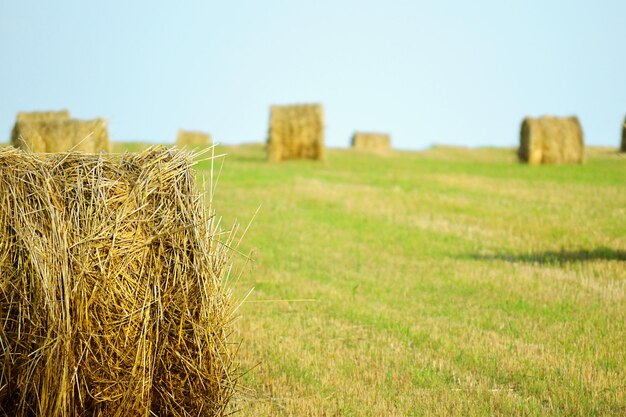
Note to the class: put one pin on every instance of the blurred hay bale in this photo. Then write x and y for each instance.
(296, 132)
(623, 148)
(371, 142)
(62, 134)
(551, 140)
(193, 138)
(27, 135)
(112, 299)
(37, 116)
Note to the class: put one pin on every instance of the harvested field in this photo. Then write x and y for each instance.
(296, 132)
(448, 282)
(112, 288)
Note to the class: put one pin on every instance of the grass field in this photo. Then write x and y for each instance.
(444, 282)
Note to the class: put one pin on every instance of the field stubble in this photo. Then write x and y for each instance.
(445, 282)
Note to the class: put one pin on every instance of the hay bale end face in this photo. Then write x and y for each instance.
(551, 140)
(296, 132)
(112, 297)
(371, 142)
(193, 139)
(50, 132)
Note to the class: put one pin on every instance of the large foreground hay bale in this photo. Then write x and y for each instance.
(61, 135)
(111, 292)
(551, 140)
(296, 132)
(371, 142)
(193, 139)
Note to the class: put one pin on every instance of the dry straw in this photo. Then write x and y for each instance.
(371, 142)
(193, 139)
(551, 140)
(296, 132)
(112, 295)
(56, 132)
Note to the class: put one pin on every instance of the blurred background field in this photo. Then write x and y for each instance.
(451, 281)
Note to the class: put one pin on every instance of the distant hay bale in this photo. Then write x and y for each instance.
(551, 140)
(193, 138)
(49, 135)
(371, 142)
(623, 148)
(112, 298)
(37, 116)
(42, 116)
(296, 132)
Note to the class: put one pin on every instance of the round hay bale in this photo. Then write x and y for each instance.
(193, 139)
(371, 142)
(36, 116)
(623, 148)
(112, 301)
(551, 140)
(61, 135)
(296, 132)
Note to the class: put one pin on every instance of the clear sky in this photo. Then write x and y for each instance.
(428, 72)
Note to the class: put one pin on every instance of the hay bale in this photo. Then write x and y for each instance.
(551, 140)
(42, 116)
(371, 142)
(296, 132)
(623, 148)
(27, 135)
(61, 135)
(37, 116)
(193, 139)
(112, 300)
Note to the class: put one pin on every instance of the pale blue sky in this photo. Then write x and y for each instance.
(447, 72)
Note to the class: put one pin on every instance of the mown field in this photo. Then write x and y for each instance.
(446, 282)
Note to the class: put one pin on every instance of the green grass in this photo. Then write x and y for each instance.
(447, 282)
